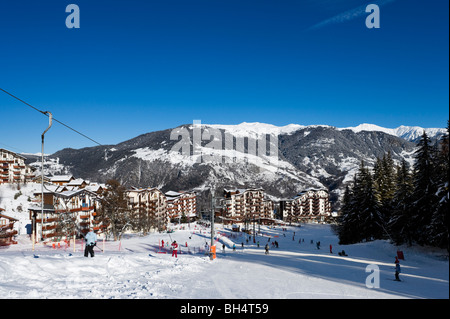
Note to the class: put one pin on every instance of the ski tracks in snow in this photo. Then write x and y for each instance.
(128, 275)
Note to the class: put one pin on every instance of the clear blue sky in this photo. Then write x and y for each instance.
(138, 66)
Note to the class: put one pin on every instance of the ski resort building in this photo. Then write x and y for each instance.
(312, 205)
(149, 207)
(181, 205)
(7, 231)
(245, 205)
(65, 213)
(13, 168)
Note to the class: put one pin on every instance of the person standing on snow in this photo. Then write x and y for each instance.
(91, 241)
(397, 271)
(175, 249)
(267, 249)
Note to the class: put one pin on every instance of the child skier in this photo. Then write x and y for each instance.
(397, 270)
(175, 249)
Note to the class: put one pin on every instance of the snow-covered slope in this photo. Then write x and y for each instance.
(295, 270)
(409, 133)
(15, 200)
(245, 128)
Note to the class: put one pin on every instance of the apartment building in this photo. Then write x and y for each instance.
(181, 204)
(13, 168)
(149, 207)
(245, 205)
(312, 205)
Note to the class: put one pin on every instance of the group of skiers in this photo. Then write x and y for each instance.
(91, 242)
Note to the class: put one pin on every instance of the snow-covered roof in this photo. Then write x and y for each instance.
(61, 178)
(77, 182)
(93, 187)
(51, 188)
(8, 217)
(173, 194)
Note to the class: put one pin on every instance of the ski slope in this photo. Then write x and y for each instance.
(136, 268)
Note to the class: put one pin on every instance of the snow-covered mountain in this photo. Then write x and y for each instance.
(409, 133)
(307, 156)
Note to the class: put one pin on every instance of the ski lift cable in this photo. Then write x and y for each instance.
(46, 114)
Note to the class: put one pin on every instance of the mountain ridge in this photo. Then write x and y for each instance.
(307, 156)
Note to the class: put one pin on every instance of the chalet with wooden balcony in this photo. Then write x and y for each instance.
(65, 213)
(13, 168)
(7, 231)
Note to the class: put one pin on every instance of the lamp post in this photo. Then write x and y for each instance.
(212, 223)
(50, 119)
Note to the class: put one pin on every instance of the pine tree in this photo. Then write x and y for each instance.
(400, 222)
(347, 228)
(371, 225)
(439, 225)
(384, 185)
(425, 188)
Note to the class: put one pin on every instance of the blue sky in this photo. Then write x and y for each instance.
(138, 66)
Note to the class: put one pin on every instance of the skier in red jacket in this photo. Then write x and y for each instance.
(175, 249)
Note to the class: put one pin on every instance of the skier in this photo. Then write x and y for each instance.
(318, 245)
(234, 247)
(331, 249)
(397, 271)
(91, 241)
(175, 249)
(267, 249)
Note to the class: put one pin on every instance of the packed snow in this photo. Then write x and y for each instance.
(138, 268)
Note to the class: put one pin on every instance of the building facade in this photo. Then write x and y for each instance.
(245, 205)
(312, 205)
(7, 231)
(65, 213)
(13, 168)
(181, 205)
(148, 207)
